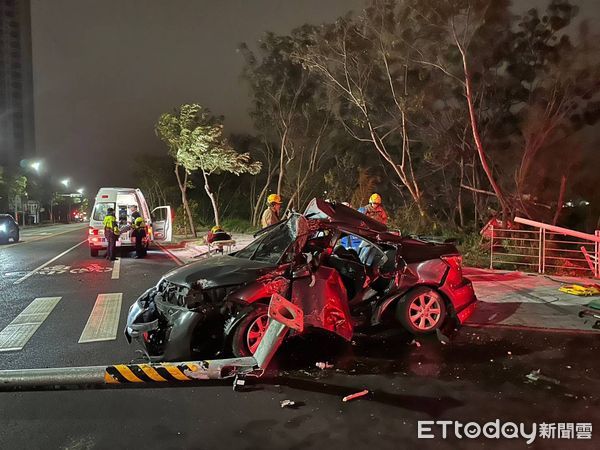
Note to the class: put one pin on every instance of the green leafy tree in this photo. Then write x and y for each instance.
(196, 142)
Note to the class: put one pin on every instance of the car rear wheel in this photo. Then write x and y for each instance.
(250, 331)
(16, 238)
(422, 311)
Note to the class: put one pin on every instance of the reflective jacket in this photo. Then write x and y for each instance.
(269, 217)
(111, 225)
(376, 212)
(138, 223)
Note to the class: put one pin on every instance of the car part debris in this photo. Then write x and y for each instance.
(350, 397)
(415, 342)
(442, 337)
(324, 365)
(536, 375)
(288, 404)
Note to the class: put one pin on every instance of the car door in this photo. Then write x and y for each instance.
(162, 226)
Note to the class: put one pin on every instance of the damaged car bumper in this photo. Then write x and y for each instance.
(162, 330)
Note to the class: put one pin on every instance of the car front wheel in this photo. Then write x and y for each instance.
(422, 311)
(250, 331)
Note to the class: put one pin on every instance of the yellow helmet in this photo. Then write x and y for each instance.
(274, 198)
(375, 198)
(215, 229)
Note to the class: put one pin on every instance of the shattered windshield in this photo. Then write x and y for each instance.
(270, 247)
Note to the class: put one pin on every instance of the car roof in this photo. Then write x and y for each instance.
(344, 216)
(6, 217)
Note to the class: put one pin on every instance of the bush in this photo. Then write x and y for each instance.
(238, 226)
(476, 253)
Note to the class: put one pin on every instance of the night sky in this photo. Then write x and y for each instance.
(105, 70)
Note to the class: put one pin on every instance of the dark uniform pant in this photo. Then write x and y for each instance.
(111, 240)
(139, 235)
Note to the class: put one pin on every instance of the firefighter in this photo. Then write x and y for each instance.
(139, 232)
(111, 233)
(374, 210)
(271, 214)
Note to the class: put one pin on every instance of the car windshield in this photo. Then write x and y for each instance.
(270, 247)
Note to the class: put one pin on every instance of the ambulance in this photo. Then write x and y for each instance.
(159, 221)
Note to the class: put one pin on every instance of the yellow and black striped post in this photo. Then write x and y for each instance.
(149, 373)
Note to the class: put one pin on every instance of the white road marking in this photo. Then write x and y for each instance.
(19, 331)
(26, 239)
(116, 269)
(103, 322)
(23, 278)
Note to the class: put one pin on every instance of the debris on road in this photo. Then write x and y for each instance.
(442, 337)
(536, 375)
(585, 290)
(350, 397)
(324, 365)
(415, 342)
(288, 404)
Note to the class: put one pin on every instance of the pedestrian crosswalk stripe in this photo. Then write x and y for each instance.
(116, 269)
(21, 329)
(104, 319)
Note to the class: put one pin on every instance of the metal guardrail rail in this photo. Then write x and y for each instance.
(545, 247)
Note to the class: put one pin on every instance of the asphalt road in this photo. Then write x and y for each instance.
(481, 375)
(31, 270)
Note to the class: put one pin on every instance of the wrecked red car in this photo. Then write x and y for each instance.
(345, 271)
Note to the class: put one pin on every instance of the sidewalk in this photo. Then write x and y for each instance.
(527, 300)
(189, 250)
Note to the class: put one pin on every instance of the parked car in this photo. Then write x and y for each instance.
(346, 271)
(9, 229)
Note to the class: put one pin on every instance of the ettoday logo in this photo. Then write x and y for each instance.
(429, 429)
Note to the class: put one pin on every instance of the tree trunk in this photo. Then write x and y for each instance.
(184, 200)
(211, 195)
(477, 137)
(281, 165)
(561, 196)
(461, 216)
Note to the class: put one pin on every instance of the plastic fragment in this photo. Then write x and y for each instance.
(415, 342)
(288, 403)
(324, 365)
(356, 395)
(536, 375)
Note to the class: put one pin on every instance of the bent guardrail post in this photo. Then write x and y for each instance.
(284, 316)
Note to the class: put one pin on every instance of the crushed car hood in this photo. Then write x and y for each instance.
(219, 271)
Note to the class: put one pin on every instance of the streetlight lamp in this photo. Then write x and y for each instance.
(80, 191)
(66, 182)
(36, 165)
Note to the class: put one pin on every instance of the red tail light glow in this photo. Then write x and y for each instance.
(93, 231)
